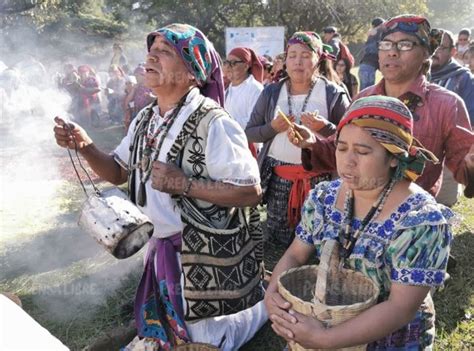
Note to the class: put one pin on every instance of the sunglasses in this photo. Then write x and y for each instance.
(232, 63)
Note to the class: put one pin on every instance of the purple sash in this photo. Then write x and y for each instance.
(158, 302)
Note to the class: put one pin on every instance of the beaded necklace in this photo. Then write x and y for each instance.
(348, 241)
(306, 99)
(149, 150)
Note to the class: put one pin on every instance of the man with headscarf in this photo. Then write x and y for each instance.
(441, 121)
(187, 164)
(246, 77)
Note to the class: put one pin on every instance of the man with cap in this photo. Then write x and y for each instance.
(370, 61)
(441, 120)
(190, 171)
(330, 38)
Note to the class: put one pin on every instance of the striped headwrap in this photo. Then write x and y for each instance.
(313, 42)
(390, 123)
(198, 54)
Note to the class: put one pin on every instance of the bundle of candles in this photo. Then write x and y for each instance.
(287, 120)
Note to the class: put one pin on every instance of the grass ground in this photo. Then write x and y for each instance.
(91, 321)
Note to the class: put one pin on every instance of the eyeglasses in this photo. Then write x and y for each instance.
(232, 63)
(402, 45)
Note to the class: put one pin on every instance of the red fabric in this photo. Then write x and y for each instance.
(412, 18)
(253, 150)
(344, 52)
(375, 111)
(441, 125)
(299, 190)
(250, 58)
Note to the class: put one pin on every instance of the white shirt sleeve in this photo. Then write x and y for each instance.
(253, 96)
(122, 151)
(228, 156)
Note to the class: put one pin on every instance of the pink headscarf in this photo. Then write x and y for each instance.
(250, 58)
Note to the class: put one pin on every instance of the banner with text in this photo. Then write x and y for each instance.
(263, 40)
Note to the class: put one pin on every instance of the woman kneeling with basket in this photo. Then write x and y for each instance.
(392, 242)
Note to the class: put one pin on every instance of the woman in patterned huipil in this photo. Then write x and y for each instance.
(400, 236)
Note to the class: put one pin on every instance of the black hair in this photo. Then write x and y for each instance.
(465, 31)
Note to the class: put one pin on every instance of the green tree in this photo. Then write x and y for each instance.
(352, 17)
(86, 27)
(452, 15)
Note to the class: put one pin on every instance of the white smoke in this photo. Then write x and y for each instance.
(43, 253)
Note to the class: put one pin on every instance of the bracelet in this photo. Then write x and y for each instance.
(188, 187)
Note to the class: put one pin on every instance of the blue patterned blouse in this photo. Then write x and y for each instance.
(410, 247)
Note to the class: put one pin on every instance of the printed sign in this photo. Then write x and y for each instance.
(263, 40)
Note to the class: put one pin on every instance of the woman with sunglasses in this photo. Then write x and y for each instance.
(245, 72)
(306, 97)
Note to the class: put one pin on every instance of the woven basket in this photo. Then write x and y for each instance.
(326, 292)
(196, 346)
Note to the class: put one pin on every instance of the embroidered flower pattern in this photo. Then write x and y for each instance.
(410, 247)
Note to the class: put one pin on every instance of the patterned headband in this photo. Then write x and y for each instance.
(390, 123)
(313, 42)
(417, 26)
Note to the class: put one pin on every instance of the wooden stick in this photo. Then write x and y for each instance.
(298, 135)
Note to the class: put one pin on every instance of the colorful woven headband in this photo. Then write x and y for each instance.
(417, 26)
(390, 123)
(198, 54)
(312, 41)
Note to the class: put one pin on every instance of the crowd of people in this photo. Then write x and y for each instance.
(375, 166)
(123, 90)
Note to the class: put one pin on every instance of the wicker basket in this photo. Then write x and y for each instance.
(196, 346)
(344, 293)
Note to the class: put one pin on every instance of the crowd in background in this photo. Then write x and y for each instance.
(116, 96)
